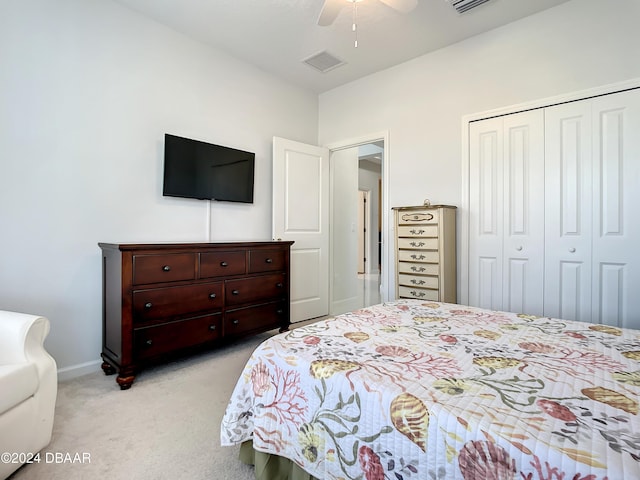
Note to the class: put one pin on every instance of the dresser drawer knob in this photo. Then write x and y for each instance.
(212, 296)
(235, 322)
(166, 268)
(149, 342)
(235, 292)
(269, 260)
(212, 327)
(279, 285)
(280, 311)
(224, 264)
(148, 305)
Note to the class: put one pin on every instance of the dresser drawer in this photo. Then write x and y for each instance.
(419, 268)
(419, 293)
(263, 287)
(168, 337)
(418, 217)
(418, 231)
(244, 320)
(418, 256)
(418, 243)
(168, 267)
(217, 264)
(422, 281)
(266, 260)
(158, 303)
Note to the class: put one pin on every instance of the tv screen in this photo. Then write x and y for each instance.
(195, 169)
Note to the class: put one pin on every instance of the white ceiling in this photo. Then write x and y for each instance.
(276, 35)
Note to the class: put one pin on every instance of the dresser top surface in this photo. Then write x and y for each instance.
(424, 207)
(193, 245)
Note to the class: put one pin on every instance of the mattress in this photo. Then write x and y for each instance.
(408, 390)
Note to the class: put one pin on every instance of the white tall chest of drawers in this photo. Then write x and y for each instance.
(425, 238)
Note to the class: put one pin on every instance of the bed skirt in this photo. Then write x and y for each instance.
(271, 467)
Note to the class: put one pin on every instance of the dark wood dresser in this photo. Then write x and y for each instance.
(165, 300)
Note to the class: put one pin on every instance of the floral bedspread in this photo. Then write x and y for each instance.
(414, 390)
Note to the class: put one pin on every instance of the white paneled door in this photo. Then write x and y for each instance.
(301, 214)
(506, 213)
(568, 211)
(616, 209)
(554, 195)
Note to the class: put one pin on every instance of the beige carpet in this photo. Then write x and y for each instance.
(167, 426)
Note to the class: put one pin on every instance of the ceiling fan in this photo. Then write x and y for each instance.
(331, 8)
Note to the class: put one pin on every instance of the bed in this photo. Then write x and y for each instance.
(415, 390)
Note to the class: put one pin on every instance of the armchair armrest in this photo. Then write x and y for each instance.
(22, 337)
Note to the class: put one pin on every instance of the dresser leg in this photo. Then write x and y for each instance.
(125, 382)
(107, 368)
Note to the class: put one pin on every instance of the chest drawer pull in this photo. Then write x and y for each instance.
(418, 269)
(418, 257)
(417, 294)
(212, 296)
(235, 322)
(280, 311)
(417, 282)
(148, 305)
(235, 292)
(269, 260)
(212, 327)
(224, 264)
(417, 244)
(166, 268)
(279, 285)
(149, 342)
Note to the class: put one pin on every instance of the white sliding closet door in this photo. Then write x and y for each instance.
(553, 212)
(568, 211)
(616, 203)
(506, 214)
(485, 213)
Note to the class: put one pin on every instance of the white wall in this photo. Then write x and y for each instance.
(87, 91)
(368, 180)
(344, 231)
(578, 45)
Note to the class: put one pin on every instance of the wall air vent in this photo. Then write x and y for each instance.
(463, 6)
(323, 61)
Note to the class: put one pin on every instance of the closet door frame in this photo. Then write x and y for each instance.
(463, 286)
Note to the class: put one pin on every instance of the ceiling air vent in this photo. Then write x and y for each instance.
(463, 6)
(323, 61)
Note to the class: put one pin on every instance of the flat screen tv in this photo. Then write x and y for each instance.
(195, 169)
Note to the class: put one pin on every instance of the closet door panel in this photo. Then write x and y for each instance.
(616, 170)
(485, 214)
(568, 211)
(523, 177)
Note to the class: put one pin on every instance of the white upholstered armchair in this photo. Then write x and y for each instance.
(28, 387)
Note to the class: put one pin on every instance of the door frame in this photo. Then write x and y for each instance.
(386, 276)
(463, 264)
(364, 229)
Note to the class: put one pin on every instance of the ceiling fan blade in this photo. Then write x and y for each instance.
(403, 6)
(330, 11)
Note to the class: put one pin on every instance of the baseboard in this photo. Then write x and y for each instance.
(74, 371)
